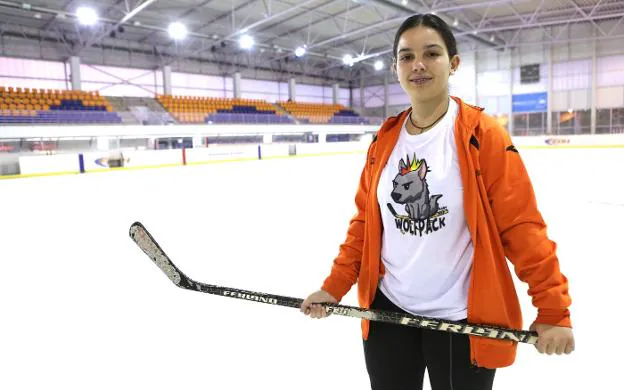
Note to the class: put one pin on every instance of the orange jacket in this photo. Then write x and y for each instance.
(504, 222)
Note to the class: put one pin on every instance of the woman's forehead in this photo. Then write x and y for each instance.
(420, 37)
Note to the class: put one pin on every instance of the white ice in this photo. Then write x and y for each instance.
(81, 307)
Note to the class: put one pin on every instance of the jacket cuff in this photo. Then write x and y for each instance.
(554, 317)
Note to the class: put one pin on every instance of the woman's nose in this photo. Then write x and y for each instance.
(418, 65)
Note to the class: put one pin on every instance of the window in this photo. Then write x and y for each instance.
(571, 122)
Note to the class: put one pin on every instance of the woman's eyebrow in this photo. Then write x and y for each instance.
(431, 46)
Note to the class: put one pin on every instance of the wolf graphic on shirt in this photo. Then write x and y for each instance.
(410, 188)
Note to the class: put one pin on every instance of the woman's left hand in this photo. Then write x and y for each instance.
(553, 339)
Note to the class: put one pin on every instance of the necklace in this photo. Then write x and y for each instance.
(421, 129)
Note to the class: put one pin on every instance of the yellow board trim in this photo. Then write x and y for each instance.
(6, 177)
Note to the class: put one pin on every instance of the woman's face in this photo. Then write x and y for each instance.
(423, 65)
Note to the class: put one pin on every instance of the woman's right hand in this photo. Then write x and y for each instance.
(310, 304)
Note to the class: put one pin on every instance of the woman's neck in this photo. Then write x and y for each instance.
(426, 114)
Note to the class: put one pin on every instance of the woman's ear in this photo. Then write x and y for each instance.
(455, 61)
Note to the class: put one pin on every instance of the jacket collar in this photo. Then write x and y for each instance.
(467, 119)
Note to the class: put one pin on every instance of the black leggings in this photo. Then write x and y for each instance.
(396, 357)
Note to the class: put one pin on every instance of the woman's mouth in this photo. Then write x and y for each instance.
(419, 80)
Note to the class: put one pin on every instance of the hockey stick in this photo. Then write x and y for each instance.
(148, 244)
(440, 213)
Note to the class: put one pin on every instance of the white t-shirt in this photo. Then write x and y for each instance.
(426, 248)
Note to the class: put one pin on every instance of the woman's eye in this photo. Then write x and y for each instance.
(405, 58)
(433, 54)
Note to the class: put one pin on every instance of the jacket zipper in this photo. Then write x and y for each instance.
(473, 358)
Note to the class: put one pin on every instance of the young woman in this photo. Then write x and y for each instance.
(443, 200)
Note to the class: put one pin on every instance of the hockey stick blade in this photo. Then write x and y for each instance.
(147, 243)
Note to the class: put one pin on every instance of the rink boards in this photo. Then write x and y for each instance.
(98, 161)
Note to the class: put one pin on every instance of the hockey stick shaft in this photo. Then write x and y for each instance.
(150, 247)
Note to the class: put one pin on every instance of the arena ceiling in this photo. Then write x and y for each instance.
(328, 29)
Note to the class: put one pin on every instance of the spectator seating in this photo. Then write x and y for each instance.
(192, 109)
(322, 113)
(26, 105)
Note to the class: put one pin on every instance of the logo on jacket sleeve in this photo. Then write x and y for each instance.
(410, 188)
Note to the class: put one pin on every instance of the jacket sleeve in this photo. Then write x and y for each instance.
(346, 266)
(521, 226)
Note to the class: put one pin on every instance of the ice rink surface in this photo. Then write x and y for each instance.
(83, 308)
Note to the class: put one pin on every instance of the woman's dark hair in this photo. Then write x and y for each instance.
(427, 20)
